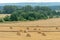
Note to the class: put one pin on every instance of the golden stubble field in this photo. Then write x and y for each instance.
(31, 30)
(3, 15)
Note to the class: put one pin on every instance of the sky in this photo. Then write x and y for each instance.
(18, 1)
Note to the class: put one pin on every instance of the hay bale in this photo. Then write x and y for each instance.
(38, 29)
(21, 30)
(11, 27)
(25, 31)
(28, 35)
(43, 34)
(18, 33)
(35, 29)
(27, 28)
(37, 25)
(39, 32)
(56, 27)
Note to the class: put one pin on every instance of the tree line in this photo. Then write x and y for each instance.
(28, 12)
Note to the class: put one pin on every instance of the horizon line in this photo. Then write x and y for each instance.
(35, 2)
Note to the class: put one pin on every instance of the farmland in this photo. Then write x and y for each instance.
(29, 23)
(31, 30)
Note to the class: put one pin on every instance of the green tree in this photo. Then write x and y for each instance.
(7, 18)
(27, 8)
(9, 9)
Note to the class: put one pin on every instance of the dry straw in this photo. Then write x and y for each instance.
(25, 31)
(18, 33)
(27, 28)
(11, 27)
(43, 34)
(28, 35)
(39, 32)
(56, 27)
(35, 29)
(21, 30)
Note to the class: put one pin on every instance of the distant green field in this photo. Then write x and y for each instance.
(3, 15)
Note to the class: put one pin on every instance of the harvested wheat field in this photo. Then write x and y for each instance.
(3, 15)
(31, 30)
